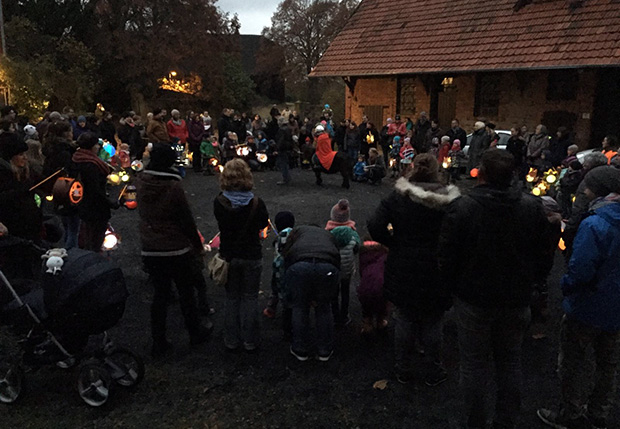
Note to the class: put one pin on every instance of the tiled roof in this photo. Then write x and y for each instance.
(386, 37)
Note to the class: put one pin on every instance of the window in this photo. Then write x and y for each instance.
(562, 85)
(406, 95)
(486, 102)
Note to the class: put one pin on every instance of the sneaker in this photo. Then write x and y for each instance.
(555, 420)
(325, 357)
(269, 313)
(437, 376)
(302, 357)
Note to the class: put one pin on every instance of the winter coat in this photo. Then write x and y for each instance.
(352, 139)
(107, 130)
(235, 241)
(177, 130)
(415, 211)
(419, 140)
(538, 143)
(229, 147)
(494, 248)
(95, 204)
(58, 153)
(223, 127)
(167, 226)
(339, 136)
(284, 139)
(559, 149)
(156, 132)
(18, 210)
(196, 131)
(592, 284)
(78, 131)
(359, 169)
(517, 148)
(131, 135)
(372, 265)
(480, 142)
(457, 158)
(457, 133)
(310, 242)
(348, 242)
(434, 133)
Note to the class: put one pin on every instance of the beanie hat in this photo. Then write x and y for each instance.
(11, 145)
(603, 180)
(407, 140)
(81, 118)
(576, 165)
(479, 125)
(30, 130)
(284, 220)
(456, 145)
(55, 116)
(319, 129)
(341, 212)
(396, 139)
(175, 112)
(163, 157)
(87, 141)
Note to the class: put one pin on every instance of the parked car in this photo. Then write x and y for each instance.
(501, 144)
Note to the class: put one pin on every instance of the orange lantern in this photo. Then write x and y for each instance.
(67, 191)
(473, 172)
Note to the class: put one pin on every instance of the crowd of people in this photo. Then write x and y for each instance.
(429, 249)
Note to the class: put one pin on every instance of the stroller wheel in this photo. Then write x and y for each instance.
(125, 367)
(93, 384)
(11, 383)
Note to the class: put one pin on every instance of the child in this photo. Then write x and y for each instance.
(307, 150)
(370, 288)
(359, 171)
(458, 159)
(444, 148)
(209, 150)
(568, 187)
(395, 156)
(284, 223)
(375, 170)
(348, 241)
(570, 155)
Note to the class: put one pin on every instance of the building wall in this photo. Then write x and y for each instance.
(522, 100)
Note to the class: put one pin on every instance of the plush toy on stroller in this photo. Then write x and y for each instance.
(79, 294)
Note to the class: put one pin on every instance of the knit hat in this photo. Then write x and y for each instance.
(341, 212)
(175, 112)
(11, 145)
(456, 145)
(603, 180)
(284, 220)
(407, 140)
(163, 157)
(575, 165)
(479, 125)
(396, 139)
(319, 129)
(81, 118)
(30, 130)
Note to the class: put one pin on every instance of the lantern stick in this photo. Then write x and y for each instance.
(45, 180)
(122, 192)
(272, 226)
(214, 237)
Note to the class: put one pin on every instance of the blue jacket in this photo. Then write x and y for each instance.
(592, 285)
(358, 170)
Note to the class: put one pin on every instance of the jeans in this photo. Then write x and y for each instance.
(71, 224)
(241, 321)
(486, 335)
(408, 327)
(340, 308)
(576, 338)
(302, 279)
(283, 165)
(186, 273)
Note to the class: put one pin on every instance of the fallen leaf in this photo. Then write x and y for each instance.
(380, 385)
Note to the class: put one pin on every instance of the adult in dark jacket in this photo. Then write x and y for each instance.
(107, 130)
(128, 133)
(171, 248)
(493, 249)
(537, 144)
(592, 306)
(156, 131)
(223, 126)
(196, 134)
(80, 127)
(434, 132)
(339, 135)
(456, 132)
(240, 216)
(415, 211)
(370, 139)
(517, 147)
(94, 210)
(421, 128)
(559, 146)
(312, 262)
(480, 142)
(18, 210)
(284, 147)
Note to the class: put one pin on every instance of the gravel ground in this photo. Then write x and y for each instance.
(206, 387)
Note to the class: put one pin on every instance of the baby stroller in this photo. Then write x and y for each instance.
(79, 294)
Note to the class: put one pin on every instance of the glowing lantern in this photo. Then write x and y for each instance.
(536, 191)
(137, 165)
(474, 172)
(551, 175)
(110, 149)
(49, 198)
(67, 191)
(262, 157)
(130, 197)
(76, 193)
(124, 176)
(243, 150)
(114, 179)
(111, 240)
(221, 168)
(531, 175)
(447, 162)
(263, 233)
(370, 139)
(392, 163)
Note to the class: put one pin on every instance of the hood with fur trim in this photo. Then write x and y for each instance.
(431, 195)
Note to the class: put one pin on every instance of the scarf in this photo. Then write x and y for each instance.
(85, 155)
(238, 198)
(331, 224)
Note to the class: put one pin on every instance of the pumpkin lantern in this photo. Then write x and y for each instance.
(130, 197)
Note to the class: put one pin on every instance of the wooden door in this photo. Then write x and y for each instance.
(446, 107)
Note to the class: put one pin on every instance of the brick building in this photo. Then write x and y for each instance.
(513, 62)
